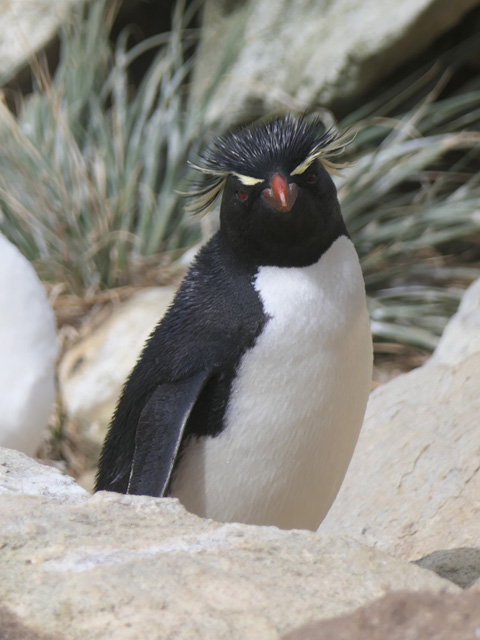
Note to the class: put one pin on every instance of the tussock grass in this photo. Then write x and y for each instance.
(412, 203)
(88, 172)
(90, 175)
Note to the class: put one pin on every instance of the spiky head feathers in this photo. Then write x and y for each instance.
(252, 153)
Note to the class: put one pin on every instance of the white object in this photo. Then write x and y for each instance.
(296, 404)
(28, 350)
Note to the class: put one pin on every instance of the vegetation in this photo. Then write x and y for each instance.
(412, 202)
(88, 171)
(90, 175)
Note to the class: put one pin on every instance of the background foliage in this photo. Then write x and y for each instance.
(92, 166)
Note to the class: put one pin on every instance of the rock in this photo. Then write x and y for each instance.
(309, 53)
(461, 336)
(398, 616)
(413, 484)
(28, 351)
(26, 27)
(20, 475)
(460, 566)
(12, 628)
(92, 373)
(124, 567)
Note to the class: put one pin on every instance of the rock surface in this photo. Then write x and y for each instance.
(402, 616)
(20, 475)
(92, 373)
(413, 484)
(460, 566)
(27, 26)
(28, 351)
(310, 53)
(461, 336)
(128, 567)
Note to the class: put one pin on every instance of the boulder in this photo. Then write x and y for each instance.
(413, 484)
(93, 371)
(124, 567)
(26, 27)
(461, 336)
(397, 616)
(460, 566)
(28, 352)
(285, 55)
(22, 476)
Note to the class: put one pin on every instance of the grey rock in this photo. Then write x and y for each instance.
(413, 484)
(461, 566)
(294, 55)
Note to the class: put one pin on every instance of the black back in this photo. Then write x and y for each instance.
(215, 317)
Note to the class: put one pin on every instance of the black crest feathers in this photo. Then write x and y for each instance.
(252, 153)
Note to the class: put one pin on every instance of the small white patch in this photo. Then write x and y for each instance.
(297, 403)
(248, 181)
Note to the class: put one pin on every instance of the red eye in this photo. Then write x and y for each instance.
(242, 196)
(311, 178)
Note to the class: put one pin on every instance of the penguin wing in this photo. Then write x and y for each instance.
(156, 449)
(181, 382)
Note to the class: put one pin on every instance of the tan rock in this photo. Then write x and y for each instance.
(413, 484)
(402, 616)
(129, 567)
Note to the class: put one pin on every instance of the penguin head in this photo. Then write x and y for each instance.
(279, 203)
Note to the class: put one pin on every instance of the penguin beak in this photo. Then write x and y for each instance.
(280, 195)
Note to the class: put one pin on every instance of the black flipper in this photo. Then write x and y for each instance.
(181, 383)
(159, 434)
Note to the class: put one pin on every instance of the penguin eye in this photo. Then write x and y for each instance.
(242, 196)
(312, 178)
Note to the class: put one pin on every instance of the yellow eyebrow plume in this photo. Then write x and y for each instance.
(248, 181)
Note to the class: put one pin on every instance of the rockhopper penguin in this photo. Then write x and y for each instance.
(248, 398)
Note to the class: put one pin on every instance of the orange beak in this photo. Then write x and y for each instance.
(281, 195)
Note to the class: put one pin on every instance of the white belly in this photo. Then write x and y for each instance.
(296, 405)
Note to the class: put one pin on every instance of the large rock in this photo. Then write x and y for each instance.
(402, 616)
(92, 373)
(20, 475)
(28, 351)
(26, 27)
(413, 484)
(125, 567)
(309, 52)
(461, 337)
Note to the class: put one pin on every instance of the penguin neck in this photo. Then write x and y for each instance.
(255, 252)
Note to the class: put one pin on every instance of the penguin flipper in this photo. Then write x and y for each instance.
(159, 433)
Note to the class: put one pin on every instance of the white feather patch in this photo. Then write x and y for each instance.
(296, 405)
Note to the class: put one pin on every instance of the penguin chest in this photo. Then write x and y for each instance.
(296, 404)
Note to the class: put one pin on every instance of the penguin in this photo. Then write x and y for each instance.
(28, 352)
(247, 400)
